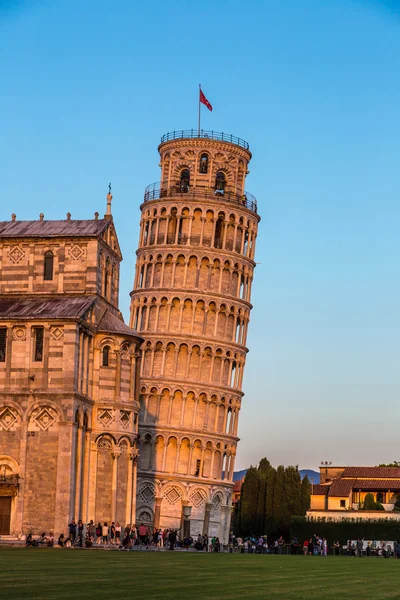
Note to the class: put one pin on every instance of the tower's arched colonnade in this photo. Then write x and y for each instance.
(191, 304)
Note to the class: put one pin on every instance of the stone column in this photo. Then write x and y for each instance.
(134, 486)
(185, 519)
(65, 483)
(92, 482)
(157, 511)
(85, 477)
(115, 455)
(118, 375)
(128, 504)
(78, 483)
(206, 523)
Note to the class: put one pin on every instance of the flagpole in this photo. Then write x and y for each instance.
(199, 108)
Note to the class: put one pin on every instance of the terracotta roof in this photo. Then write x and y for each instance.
(320, 490)
(371, 472)
(44, 308)
(112, 324)
(341, 487)
(74, 228)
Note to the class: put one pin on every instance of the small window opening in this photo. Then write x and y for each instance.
(185, 180)
(48, 266)
(106, 356)
(220, 182)
(38, 338)
(203, 163)
(343, 504)
(197, 472)
(3, 342)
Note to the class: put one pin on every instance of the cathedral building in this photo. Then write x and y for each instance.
(69, 377)
(191, 304)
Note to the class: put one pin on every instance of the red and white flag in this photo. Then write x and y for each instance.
(204, 100)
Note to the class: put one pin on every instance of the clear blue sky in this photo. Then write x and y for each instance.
(87, 89)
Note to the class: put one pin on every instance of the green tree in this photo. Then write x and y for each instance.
(249, 502)
(270, 521)
(263, 469)
(370, 504)
(305, 495)
(281, 511)
(293, 491)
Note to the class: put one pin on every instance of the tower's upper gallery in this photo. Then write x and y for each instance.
(203, 164)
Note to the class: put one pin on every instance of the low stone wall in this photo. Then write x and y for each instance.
(339, 515)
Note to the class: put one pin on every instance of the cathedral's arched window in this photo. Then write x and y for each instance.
(220, 182)
(185, 180)
(106, 356)
(48, 266)
(203, 163)
(107, 278)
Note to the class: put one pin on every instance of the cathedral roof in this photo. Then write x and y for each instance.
(111, 324)
(44, 308)
(42, 229)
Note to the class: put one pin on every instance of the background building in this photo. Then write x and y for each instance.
(343, 489)
(191, 303)
(69, 370)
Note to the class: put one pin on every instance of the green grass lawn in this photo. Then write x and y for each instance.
(32, 573)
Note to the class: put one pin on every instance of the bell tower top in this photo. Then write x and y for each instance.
(206, 162)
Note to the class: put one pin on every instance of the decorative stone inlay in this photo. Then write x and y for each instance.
(105, 417)
(217, 501)
(7, 418)
(172, 495)
(19, 333)
(16, 254)
(44, 419)
(197, 497)
(56, 332)
(145, 517)
(76, 252)
(146, 493)
(104, 444)
(125, 418)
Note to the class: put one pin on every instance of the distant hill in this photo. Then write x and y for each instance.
(314, 475)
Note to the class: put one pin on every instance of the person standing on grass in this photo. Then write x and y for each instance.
(112, 533)
(305, 547)
(172, 539)
(311, 547)
(72, 530)
(80, 527)
(294, 545)
(142, 533)
(281, 544)
(98, 533)
(117, 533)
(104, 533)
(324, 547)
(359, 548)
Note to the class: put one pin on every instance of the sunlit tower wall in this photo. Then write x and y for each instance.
(191, 304)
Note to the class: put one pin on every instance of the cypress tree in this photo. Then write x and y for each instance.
(281, 510)
(293, 492)
(249, 502)
(263, 469)
(270, 522)
(305, 495)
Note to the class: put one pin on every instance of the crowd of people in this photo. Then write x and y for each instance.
(144, 537)
(124, 538)
(315, 546)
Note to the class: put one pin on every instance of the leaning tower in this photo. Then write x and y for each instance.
(191, 304)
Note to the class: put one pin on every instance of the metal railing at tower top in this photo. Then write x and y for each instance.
(155, 191)
(205, 134)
